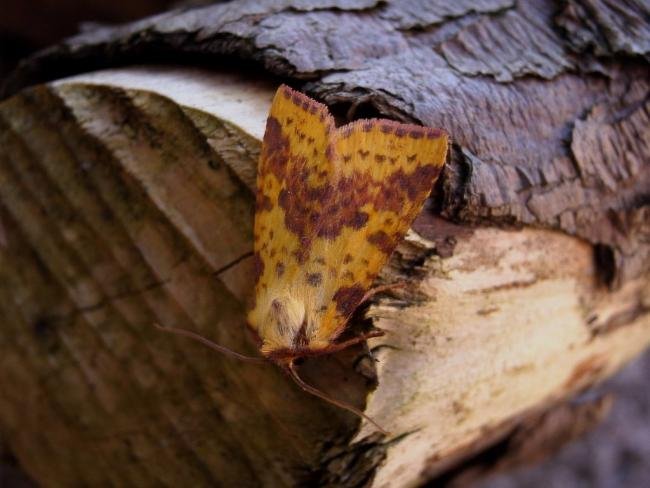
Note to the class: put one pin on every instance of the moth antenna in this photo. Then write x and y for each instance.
(310, 389)
(210, 344)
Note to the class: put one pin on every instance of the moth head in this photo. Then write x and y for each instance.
(284, 325)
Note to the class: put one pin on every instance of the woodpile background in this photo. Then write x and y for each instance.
(126, 198)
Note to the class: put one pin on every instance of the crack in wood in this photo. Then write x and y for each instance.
(232, 263)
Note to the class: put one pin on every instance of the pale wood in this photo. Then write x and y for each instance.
(508, 323)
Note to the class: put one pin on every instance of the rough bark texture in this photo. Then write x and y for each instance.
(120, 207)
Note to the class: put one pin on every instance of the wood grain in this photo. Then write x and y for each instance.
(122, 203)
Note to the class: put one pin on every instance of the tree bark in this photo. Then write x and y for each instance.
(126, 199)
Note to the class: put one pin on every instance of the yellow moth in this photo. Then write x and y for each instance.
(332, 204)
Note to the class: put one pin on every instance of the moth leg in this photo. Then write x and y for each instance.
(354, 340)
(291, 369)
(382, 288)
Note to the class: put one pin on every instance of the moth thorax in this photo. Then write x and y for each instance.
(285, 325)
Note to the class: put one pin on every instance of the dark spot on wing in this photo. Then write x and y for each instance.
(406, 187)
(314, 279)
(383, 241)
(329, 152)
(359, 220)
(275, 148)
(347, 299)
(258, 266)
(263, 203)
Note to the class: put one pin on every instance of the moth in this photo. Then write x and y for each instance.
(331, 206)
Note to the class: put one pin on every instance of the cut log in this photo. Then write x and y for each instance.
(127, 199)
